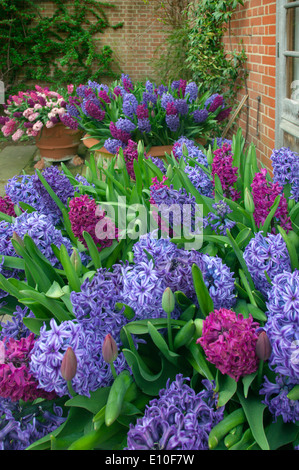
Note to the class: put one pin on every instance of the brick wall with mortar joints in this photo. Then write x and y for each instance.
(134, 44)
(255, 25)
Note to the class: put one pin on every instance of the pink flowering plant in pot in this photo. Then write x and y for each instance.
(146, 340)
(155, 114)
(27, 113)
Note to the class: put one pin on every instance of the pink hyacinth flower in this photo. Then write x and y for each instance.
(9, 128)
(33, 117)
(28, 112)
(37, 126)
(17, 135)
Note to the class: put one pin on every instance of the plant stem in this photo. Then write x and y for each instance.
(170, 341)
(70, 388)
(113, 370)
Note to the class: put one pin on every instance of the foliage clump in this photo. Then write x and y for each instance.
(53, 48)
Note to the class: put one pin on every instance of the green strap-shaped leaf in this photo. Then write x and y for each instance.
(35, 270)
(6, 217)
(226, 388)
(241, 260)
(148, 382)
(198, 361)
(204, 299)
(161, 344)
(266, 225)
(12, 262)
(42, 261)
(54, 306)
(254, 411)
(69, 269)
(93, 250)
(116, 396)
(290, 247)
(35, 324)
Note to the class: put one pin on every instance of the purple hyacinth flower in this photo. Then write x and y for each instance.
(268, 254)
(200, 115)
(282, 326)
(179, 419)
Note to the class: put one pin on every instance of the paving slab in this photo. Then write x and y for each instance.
(13, 159)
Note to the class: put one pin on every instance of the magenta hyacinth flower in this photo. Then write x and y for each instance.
(85, 217)
(223, 167)
(229, 342)
(264, 193)
(7, 206)
(16, 380)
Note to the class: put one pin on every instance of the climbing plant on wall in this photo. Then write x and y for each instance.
(194, 47)
(57, 48)
(209, 61)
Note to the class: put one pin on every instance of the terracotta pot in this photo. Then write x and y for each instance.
(58, 143)
(155, 151)
(159, 151)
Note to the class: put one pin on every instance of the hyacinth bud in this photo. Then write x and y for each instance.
(100, 162)
(109, 349)
(168, 300)
(248, 201)
(185, 150)
(169, 172)
(18, 239)
(120, 162)
(140, 147)
(76, 261)
(210, 156)
(263, 347)
(199, 326)
(88, 175)
(68, 367)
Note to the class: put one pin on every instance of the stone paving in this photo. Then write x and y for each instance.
(19, 159)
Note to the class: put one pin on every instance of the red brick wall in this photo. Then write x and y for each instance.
(255, 25)
(135, 43)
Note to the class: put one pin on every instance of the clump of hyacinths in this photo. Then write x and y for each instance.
(26, 113)
(156, 114)
(155, 344)
(21, 426)
(96, 315)
(174, 210)
(179, 419)
(173, 266)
